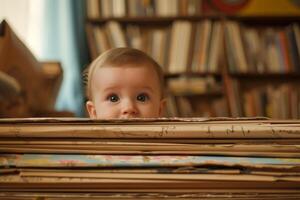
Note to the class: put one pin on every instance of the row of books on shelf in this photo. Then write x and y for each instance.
(184, 106)
(278, 102)
(187, 46)
(261, 50)
(282, 102)
(202, 97)
(120, 8)
(182, 47)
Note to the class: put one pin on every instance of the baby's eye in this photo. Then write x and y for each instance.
(142, 97)
(113, 98)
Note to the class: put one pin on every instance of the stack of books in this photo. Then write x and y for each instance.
(191, 158)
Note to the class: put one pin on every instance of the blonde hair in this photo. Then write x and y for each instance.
(118, 57)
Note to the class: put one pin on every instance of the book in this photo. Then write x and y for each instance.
(64, 157)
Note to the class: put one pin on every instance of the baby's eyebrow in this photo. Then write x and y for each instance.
(110, 88)
(148, 88)
(114, 88)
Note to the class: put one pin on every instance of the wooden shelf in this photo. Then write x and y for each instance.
(266, 75)
(265, 20)
(255, 20)
(193, 74)
(154, 19)
(211, 94)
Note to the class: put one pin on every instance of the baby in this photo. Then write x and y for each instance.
(125, 83)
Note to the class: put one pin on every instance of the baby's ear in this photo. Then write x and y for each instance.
(162, 107)
(91, 109)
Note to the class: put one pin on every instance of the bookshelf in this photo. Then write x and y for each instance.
(263, 73)
(215, 65)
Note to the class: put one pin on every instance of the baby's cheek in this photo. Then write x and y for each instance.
(152, 111)
(104, 110)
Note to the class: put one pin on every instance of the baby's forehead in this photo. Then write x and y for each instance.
(143, 74)
(129, 66)
(130, 75)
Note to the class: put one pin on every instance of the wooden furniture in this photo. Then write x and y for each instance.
(81, 158)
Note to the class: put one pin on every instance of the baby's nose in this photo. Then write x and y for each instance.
(129, 109)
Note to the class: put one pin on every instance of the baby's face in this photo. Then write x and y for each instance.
(125, 92)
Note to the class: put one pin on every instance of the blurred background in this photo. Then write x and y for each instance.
(221, 58)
